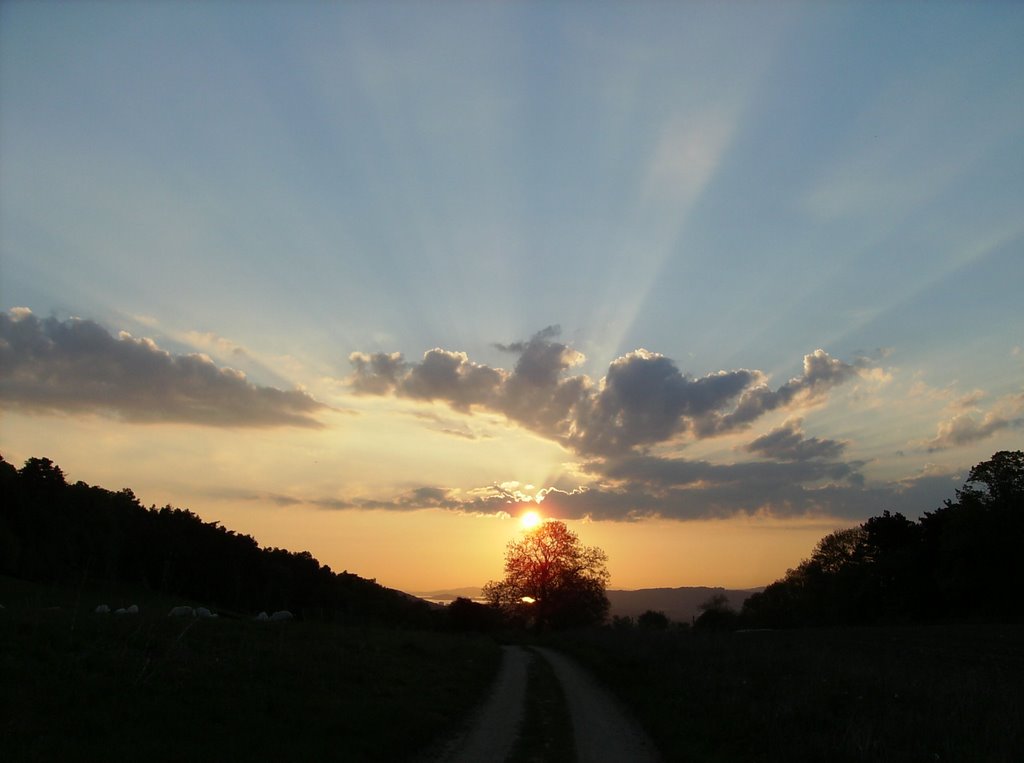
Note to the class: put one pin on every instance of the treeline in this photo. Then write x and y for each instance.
(958, 563)
(52, 531)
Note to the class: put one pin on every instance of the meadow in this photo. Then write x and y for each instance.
(923, 693)
(83, 686)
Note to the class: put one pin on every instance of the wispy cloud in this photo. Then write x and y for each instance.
(970, 424)
(77, 366)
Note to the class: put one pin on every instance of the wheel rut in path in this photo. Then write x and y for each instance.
(601, 731)
(496, 727)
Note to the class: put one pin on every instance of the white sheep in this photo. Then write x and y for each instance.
(120, 611)
(262, 617)
(133, 609)
(282, 615)
(102, 609)
(183, 611)
(204, 613)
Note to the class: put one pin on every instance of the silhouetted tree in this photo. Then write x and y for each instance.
(622, 622)
(958, 562)
(467, 615)
(55, 532)
(717, 614)
(972, 545)
(653, 620)
(552, 580)
(1003, 478)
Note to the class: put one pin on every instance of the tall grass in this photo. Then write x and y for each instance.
(867, 694)
(80, 686)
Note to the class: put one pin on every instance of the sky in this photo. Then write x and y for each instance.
(707, 281)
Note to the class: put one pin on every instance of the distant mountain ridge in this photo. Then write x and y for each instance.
(678, 604)
(448, 595)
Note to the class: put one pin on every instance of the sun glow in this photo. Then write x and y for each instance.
(529, 520)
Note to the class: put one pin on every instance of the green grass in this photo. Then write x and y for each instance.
(868, 694)
(147, 687)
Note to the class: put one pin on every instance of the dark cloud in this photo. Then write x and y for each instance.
(787, 443)
(643, 400)
(682, 490)
(821, 373)
(376, 373)
(646, 400)
(658, 472)
(77, 366)
(646, 487)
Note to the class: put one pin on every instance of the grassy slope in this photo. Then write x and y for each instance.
(88, 686)
(886, 694)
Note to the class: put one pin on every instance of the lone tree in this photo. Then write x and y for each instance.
(551, 579)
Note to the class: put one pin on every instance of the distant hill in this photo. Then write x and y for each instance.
(448, 595)
(679, 604)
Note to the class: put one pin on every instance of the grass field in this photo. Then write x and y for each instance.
(81, 686)
(950, 693)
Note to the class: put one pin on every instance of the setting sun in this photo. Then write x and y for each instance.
(530, 520)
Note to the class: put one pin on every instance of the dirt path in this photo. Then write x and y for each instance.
(600, 730)
(497, 725)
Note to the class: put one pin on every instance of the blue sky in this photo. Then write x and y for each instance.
(730, 186)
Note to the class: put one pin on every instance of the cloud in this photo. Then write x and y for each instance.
(966, 428)
(376, 373)
(639, 487)
(787, 443)
(77, 366)
(821, 372)
(642, 401)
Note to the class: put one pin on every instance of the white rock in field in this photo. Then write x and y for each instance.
(133, 609)
(182, 611)
(120, 611)
(282, 615)
(204, 613)
(262, 617)
(102, 609)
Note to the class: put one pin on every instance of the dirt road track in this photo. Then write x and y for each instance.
(497, 725)
(601, 732)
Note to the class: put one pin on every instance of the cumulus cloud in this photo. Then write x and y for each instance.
(644, 404)
(788, 443)
(77, 366)
(643, 400)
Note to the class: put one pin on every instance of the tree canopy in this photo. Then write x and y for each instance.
(959, 562)
(552, 580)
(55, 532)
